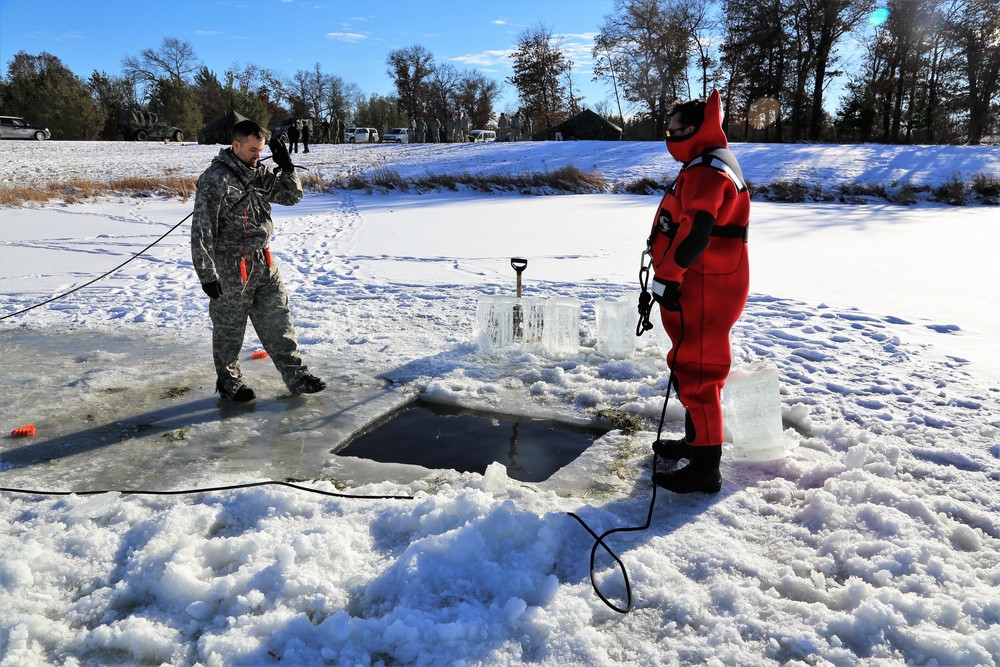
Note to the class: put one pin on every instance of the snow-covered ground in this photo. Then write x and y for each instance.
(874, 542)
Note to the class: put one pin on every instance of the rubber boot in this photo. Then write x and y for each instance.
(700, 475)
(675, 450)
(672, 450)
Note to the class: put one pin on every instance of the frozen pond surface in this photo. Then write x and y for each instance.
(114, 411)
(139, 413)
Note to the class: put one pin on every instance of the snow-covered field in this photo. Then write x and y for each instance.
(874, 542)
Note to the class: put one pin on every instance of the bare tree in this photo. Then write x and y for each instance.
(477, 96)
(174, 59)
(443, 86)
(410, 69)
(647, 47)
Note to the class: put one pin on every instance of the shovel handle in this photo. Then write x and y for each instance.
(519, 264)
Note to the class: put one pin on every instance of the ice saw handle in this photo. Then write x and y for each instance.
(519, 264)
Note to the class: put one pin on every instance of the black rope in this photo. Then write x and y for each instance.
(100, 277)
(183, 492)
(599, 539)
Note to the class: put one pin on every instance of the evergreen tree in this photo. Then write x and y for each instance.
(977, 37)
(208, 95)
(175, 102)
(755, 58)
(381, 112)
(539, 66)
(112, 94)
(41, 89)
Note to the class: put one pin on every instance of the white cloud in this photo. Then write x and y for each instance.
(353, 37)
(485, 59)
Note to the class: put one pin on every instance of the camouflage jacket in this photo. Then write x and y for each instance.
(232, 212)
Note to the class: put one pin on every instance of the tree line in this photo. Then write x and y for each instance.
(918, 71)
(922, 71)
(170, 81)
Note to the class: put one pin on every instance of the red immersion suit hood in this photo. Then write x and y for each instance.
(708, 136)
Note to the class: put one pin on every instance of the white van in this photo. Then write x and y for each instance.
(399, 135)
(482, 135)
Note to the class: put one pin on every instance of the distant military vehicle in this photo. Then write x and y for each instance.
(145, 125)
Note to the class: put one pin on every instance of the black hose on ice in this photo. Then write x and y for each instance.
(183, 492)
(100, 277)
(599, 539)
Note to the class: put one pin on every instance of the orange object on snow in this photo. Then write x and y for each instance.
(259, 354)
(23, 431)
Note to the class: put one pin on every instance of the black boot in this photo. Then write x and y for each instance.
(307, 384)
(675, 450)
(700, 475)
(235, 391)
(672, 450)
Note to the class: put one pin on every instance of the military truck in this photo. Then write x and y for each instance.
(145, 125)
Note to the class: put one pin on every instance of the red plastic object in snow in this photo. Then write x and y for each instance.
(23, 431)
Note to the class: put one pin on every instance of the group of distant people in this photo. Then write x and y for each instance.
(452, 130)
(301, 130)
(456, 129)
(515, 128)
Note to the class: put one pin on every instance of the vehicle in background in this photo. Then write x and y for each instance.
(361, 135)
(399, 135)
(482, 135)
(15, 127)
(145, 125)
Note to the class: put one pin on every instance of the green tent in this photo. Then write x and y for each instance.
(220, 130)
(584, 125)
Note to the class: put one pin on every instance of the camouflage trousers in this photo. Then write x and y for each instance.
(264, 302)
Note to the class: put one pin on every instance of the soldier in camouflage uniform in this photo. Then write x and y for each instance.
(230, 232)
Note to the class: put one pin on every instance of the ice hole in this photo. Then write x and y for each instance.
(439, 436)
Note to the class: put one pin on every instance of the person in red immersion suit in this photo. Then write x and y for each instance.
(701, 281)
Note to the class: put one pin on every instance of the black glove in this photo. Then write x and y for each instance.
(667, 293)
(213, 289)
(280, 155)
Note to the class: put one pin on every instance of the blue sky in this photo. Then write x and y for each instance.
(348, 38)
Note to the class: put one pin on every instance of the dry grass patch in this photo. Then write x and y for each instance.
(987, 188)
(78, 189)
(563, 179)
(312, 181)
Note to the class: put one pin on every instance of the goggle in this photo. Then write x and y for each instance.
(680, 132)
